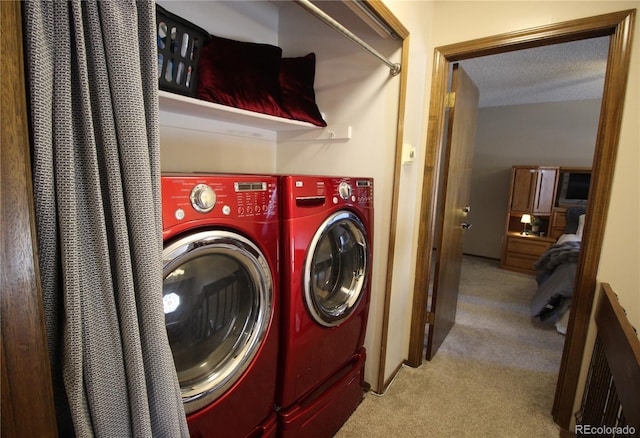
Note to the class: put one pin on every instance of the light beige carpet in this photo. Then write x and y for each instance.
(494, 376)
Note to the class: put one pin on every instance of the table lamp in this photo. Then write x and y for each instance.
(525, 219)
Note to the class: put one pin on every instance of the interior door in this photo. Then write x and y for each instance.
(455, 206)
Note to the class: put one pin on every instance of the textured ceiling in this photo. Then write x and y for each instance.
(560, 72)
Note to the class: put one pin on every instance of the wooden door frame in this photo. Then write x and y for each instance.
(27, 394)
(619, 26)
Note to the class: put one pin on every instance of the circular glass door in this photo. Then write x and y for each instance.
(335, 268)
(217, 296)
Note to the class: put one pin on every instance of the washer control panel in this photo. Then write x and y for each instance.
(194, 197)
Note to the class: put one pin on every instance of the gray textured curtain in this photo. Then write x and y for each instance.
(92, 76)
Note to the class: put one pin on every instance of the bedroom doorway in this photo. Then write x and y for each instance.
(546, 114)
(617, 26)
(549, 118)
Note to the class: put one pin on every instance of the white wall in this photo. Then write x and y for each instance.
(255, 21)
(553, 134)
(416, 16)
(189, 144)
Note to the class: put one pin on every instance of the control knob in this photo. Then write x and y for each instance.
(344, 189)
(203, 198)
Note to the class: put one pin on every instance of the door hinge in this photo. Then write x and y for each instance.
(450, 99)
(430, 317)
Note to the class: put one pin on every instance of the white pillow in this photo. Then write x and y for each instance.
(580, 226)
(567, 238)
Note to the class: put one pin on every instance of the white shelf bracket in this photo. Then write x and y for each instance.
(338, 133)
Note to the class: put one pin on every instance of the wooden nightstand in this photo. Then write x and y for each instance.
(532, 192)
(522, 251)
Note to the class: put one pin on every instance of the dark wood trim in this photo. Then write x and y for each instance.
(601, 180)
(394, 214)
(426, 228)
(619, 25)
(575, 169)
(27, 394)
(590, 27)
(622, 349)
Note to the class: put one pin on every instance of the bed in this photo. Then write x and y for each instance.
(556, 271)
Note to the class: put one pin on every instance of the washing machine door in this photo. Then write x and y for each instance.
(218, 302)
(336, 268)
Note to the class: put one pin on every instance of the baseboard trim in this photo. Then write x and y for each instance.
(388, 382)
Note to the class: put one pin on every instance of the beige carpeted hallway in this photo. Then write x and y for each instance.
(494, 376)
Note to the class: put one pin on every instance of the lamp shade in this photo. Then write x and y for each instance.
(525, 219)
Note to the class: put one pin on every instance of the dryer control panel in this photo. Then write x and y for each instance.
(199, 197)
(305, 194)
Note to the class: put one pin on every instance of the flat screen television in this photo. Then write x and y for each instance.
(574, 188)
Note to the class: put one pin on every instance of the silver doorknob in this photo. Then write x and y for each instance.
(466, 209)
(465, 225)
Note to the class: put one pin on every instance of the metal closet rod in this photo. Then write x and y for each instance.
(395, 67)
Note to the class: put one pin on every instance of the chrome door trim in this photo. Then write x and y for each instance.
(197, 396)
(335, 316)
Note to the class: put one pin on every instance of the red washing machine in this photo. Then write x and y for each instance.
(221, 299)
(327, 229)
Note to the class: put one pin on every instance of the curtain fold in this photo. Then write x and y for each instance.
(92, 68)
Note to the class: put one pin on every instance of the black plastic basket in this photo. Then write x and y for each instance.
(179, 46)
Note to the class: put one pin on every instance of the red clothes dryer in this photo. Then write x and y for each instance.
(327, 229)
(221, 300)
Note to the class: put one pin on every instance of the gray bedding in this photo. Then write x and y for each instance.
(555, 275)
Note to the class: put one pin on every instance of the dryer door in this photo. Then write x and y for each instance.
(336, 268)
(218, 302)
